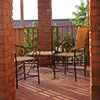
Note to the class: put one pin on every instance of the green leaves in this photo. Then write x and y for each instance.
(35, 23)
(31, 36)
(80, 14)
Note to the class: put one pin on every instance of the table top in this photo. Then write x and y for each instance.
(43, 53)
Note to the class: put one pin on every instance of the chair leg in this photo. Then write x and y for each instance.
(64, 66)
(84, 62)
(50, 62)
(24, 70)
(65, 70)
(16, 75)
(85, 70)
(30, 69)
(75, 65)
(38, 72)
(54, 72)
(80, 60)
(72, 59)
(54, 67)
(67, 63)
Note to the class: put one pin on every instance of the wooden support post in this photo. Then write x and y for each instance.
(22, 14)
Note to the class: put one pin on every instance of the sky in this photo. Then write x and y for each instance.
(61, 9)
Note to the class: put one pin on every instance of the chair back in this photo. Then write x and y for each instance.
(20, 50)
(67, 45)
(23, 51)
(81, 37)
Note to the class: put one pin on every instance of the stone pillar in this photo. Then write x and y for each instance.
(44, 27)
(94, 48)
(7, 69)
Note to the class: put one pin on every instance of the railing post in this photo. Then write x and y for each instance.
(22, 13)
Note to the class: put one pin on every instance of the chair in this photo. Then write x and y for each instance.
(80, 44)
(22, 58)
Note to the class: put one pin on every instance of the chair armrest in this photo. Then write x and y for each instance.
(22, 51)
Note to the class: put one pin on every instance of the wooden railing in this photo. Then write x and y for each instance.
(31, 36)
(61, 33)
(19, 36)
(26, 36)
(65, 33)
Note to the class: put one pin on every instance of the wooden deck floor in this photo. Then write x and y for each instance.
(62, 88)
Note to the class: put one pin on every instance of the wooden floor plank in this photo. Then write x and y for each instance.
(62, 88)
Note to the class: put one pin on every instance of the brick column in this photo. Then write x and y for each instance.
(87, 47)
(94, 48)
(7, 76)
(44, 26)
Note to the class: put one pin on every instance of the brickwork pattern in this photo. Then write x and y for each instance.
(44, 27)
(44, 24)
(94, 21)
(7, 76)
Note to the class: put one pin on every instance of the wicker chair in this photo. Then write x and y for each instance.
(22, 58)
(80, 44)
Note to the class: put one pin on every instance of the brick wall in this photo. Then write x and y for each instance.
(94, 21)
(44, 27)
(7, 76)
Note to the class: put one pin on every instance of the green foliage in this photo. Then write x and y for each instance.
(25, 32)
(35, 37)
(59, 37)
(35, 23)
(55, 36)
(35, 34)
(80, 14)
(31, 36)
(64, 42)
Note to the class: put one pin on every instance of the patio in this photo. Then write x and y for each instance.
(62, 88)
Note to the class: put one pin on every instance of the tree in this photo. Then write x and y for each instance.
(80, 14)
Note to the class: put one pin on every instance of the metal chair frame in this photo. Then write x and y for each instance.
(21, 53)
(66, 46)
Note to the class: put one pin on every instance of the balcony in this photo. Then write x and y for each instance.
(63, 87)
(7, 68)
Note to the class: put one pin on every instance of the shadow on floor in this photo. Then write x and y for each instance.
(62, 88)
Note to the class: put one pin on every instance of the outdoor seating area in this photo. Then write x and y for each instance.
(80, 44)
(21, 59)
(64, 87)
(51, 84)
(48, 60)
